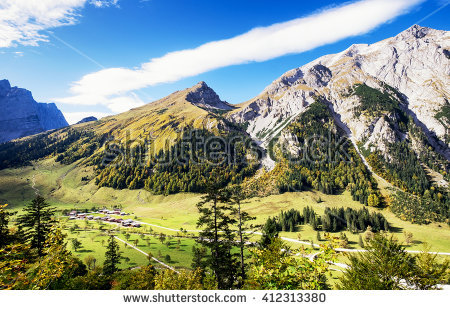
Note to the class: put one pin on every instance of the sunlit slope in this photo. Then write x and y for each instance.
(159, 121)
(156, 125)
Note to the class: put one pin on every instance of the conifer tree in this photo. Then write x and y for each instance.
(37, 223)
(269, 232)
(217, 234)
(199, 259)
(387, 266)
(236, 196)
(112, 257)
(76, 244)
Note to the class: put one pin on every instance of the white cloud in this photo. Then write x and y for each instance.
(259, 44)
(22, 22)
(124, 103)
(104, 3)
(116, 104)
(74, 117)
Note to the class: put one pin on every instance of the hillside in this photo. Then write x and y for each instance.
(157, 124)
(161, 121)
(166, 146)
(390, 99)
(415, 64)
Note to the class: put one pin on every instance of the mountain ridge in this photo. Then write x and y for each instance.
(384, 62)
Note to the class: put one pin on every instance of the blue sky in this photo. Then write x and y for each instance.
(93, 48)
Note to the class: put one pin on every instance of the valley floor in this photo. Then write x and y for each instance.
(63, 188)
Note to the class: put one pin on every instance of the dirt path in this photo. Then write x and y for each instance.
(146, 254)
(33, 185)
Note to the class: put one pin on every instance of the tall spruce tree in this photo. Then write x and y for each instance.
(217, 234)
(112, 257)
(269, 233)
(37, 223)
(199, 259)
(236, 196)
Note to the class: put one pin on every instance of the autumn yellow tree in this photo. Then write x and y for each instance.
(184, 280)
(277, 267)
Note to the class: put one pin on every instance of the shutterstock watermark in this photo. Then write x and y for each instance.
(192, 147)
(319, 149)
(196, 148)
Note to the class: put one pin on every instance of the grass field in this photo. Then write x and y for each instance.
(178, 248)
(63, 188)
(94, 242)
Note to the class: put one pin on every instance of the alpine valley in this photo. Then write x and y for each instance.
(365, 129)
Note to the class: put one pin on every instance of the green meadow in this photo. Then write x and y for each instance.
(63, 188)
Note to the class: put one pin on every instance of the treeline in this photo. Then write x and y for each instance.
(84, 145)
(426, 152)
(373, 100)
(326, 161)
(403, 170)
(185, 166)
(68, 145)
(337, 219)
(333, 220)
(444, 117)
(404, 166)
(376, 103)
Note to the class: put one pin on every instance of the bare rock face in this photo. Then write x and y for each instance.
(22, 116)
(381, 135)
(205, 97)
(414, 64)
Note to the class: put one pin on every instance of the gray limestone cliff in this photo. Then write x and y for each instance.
(22, 116)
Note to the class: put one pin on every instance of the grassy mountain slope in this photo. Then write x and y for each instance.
(129, 150)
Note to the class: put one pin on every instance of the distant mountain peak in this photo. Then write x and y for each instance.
(415, 31)
(5, 86)
(22, 115)
(206, 98)
(88, 119)
(202, 84)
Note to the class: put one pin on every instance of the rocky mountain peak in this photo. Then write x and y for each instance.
(4, 87)
(413, 64)
(88, 119)
(22, 115)
(205, 97)
(415, 31)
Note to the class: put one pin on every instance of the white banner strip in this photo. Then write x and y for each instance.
(223, 299)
